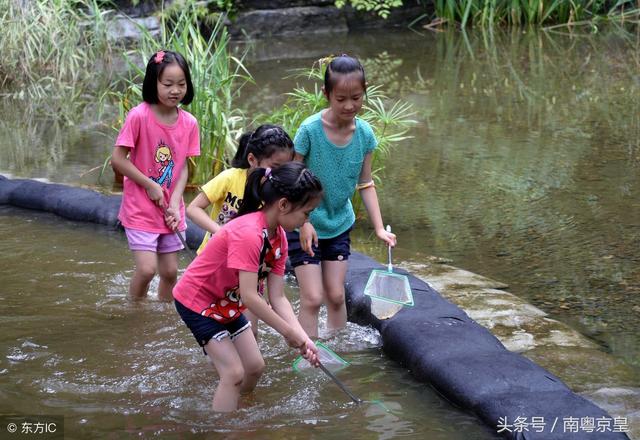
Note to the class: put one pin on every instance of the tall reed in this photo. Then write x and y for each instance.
(51, 50)
(533, 12)
(217, 78)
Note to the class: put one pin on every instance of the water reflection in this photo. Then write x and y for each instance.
(524, 166)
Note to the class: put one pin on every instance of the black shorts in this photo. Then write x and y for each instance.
(204, 329)
(328, 249)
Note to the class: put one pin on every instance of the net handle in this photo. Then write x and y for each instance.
(338, 382)
(389, 266)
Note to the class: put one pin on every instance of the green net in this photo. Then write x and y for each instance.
(389, 293)
(327, 356)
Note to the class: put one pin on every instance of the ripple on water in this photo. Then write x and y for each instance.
(28, 351)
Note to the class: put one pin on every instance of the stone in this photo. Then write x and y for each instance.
(129, 30)
(289, 21)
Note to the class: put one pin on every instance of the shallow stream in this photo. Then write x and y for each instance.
(523, 167)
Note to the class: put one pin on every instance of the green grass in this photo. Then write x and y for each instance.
(522, 13)
(51, 51)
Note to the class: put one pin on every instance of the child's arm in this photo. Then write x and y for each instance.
(308, 237)
(196, 212)
(172, 216)
(308, 234)
(282, 306)
(121, 163)
(370, 199)
(280, 317)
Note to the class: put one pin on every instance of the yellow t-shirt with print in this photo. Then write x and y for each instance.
(225, 193)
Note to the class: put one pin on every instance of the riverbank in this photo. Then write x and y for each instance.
(523, 328)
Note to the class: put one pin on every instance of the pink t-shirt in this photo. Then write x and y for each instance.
(209, 286)
(160, 152)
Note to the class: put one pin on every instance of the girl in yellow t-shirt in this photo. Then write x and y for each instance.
(269, 146)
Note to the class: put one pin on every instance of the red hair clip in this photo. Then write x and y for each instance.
(159, 56)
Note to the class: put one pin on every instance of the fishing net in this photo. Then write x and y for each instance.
(328, 357)
(389, 293)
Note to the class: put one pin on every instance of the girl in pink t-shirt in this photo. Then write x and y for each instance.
(151, 152)
(224, 279)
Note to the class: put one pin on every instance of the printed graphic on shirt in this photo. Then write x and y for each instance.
(270, 257)
(227, 309)
(229, 208)
(164, 173)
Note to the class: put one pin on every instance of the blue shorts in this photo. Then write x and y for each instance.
(204, 329)
(328, 249)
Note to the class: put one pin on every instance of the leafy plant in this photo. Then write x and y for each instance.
(381, 7)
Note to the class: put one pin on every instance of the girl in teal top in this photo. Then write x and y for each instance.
(336, 145)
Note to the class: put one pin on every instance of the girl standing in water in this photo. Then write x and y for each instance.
(337, 146)
(224, 279)
(157, 131)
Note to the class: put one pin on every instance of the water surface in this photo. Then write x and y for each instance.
(74, 345)
(523, 167)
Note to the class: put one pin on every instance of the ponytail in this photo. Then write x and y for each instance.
(240, 158)
(292, 180)
(252, 198)
(262, 143)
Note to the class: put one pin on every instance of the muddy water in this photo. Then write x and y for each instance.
(72, 344)
(523, 167)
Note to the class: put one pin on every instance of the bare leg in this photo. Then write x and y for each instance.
(227, 362)
(251, 358)
(145, 269)
(253, 319)
(310, 281)
(333, 275)
(168, 271)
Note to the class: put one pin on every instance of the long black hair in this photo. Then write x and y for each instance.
(262, 143)
(156, 65)
(292, 180)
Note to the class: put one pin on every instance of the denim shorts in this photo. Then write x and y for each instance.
(153, 241)
(204, 329)
(328, 249)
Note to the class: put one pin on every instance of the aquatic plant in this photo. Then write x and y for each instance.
(217, 78)
(50, 50)
(529, 12)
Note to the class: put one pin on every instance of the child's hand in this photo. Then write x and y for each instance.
(172, 217)
(388, 237)
(155, 194)
(308, 238)
(310, 353)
